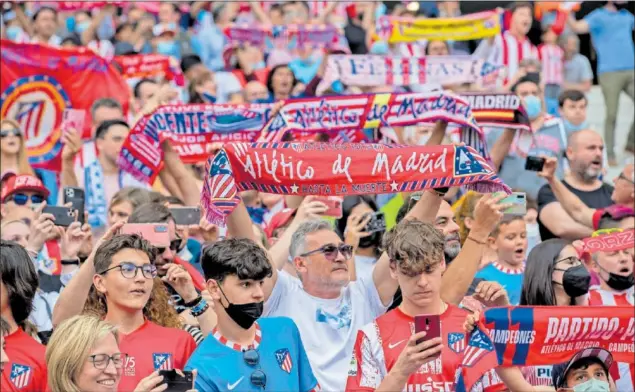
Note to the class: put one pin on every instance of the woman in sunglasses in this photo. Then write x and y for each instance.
(14, 159)
(84, 355)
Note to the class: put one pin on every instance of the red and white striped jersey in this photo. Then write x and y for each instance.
(622, 373)
(506, 51)
(552, 59)
(379, 344)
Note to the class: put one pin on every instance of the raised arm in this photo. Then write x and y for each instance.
(89, 34)
(568, 200)
(184, 178)
(71, 300)
(72, 146)
(425, 210)
(500, 149)
(578, 26)
(460, 273)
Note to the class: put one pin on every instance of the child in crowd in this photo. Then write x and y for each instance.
(552, 58)
(573, 110)
(509, 241)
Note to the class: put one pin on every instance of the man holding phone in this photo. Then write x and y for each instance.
(387, 355)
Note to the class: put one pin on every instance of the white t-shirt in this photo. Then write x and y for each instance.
(328, 327)
(364, 266)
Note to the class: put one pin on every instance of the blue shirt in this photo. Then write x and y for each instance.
(611, 34)
(512, 281)
(282, 359)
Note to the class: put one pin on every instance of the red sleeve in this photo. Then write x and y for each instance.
(197, 278)
(355, 372)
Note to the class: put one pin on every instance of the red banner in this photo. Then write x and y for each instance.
(153, 66)
(79, 5)
(610, 242)
(546, 335)
(38, 82)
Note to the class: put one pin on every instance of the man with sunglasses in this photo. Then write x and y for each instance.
(251, 353)
(124, 278)
(623, 194)
(23, 190)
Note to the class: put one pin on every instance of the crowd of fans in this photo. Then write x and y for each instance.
(285, 297)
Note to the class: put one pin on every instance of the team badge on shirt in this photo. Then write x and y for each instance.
(162, 361)
(20, 375)
(456, 342)
(479, 345)
(284, 360)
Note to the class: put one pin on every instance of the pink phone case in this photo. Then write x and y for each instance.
(73, 119)
(334, 205)
(155, 233)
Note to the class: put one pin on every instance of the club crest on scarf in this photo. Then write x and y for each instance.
(162, 361)
(478, 346)
(284, 360)
(21, 375)
(456, 342)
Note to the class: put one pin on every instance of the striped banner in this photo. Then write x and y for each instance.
(338, 170)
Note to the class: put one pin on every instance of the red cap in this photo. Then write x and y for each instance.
(24, 183)
(278, 220)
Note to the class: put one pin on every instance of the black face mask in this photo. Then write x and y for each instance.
(372, 240)
(575, 281)
(245, 315)
(618, 282)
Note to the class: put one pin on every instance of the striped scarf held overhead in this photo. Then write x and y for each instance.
(369, 70)
(189, 128)
(371, 111)
(338, 169)
(290, 37)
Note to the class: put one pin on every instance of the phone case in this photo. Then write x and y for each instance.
(534, 163)
(430, 323)
(376, 223)
(73, 119)
(185, 216)
(155, 233)
(63, 216)
(334, 205)
(76, 197)
(175, 382)
(519, 202)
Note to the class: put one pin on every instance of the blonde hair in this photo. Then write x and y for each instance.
(69, 347)
(23, 160)
(464, 208)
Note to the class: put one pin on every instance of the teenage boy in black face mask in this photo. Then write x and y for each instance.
(244, 352)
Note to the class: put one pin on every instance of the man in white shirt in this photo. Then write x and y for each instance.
(43, 28)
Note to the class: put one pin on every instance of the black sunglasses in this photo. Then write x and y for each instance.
(7, 132)
(330, 251)
(21, 199)
(175, 245)
(258, 378)
(129, 270)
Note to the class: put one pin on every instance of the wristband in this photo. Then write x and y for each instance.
(193, 303)
(70, 261)
(441, 191)
(200, 308)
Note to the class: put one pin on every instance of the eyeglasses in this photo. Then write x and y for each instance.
(330, 251)
(572, 259)
(175, 245)
(623, 177)
(129, 270)
(258, 378)
(21, 199)
(100, 361)
(14, 132)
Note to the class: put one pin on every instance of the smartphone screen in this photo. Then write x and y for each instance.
(430, 323)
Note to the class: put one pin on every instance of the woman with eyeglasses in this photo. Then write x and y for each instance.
(14, 159)
(124, 284)
(83, 355)
(554, 276)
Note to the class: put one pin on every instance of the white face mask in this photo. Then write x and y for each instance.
(592, 385)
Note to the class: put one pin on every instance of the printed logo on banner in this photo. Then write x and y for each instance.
(284, 360)
(20, 375)
(37, 103)
(162, 361)
(456, 342)
(464, 164)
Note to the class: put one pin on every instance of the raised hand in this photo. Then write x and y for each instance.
(491, 294)
(549, 168)
(414, 355)
(487, 214)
